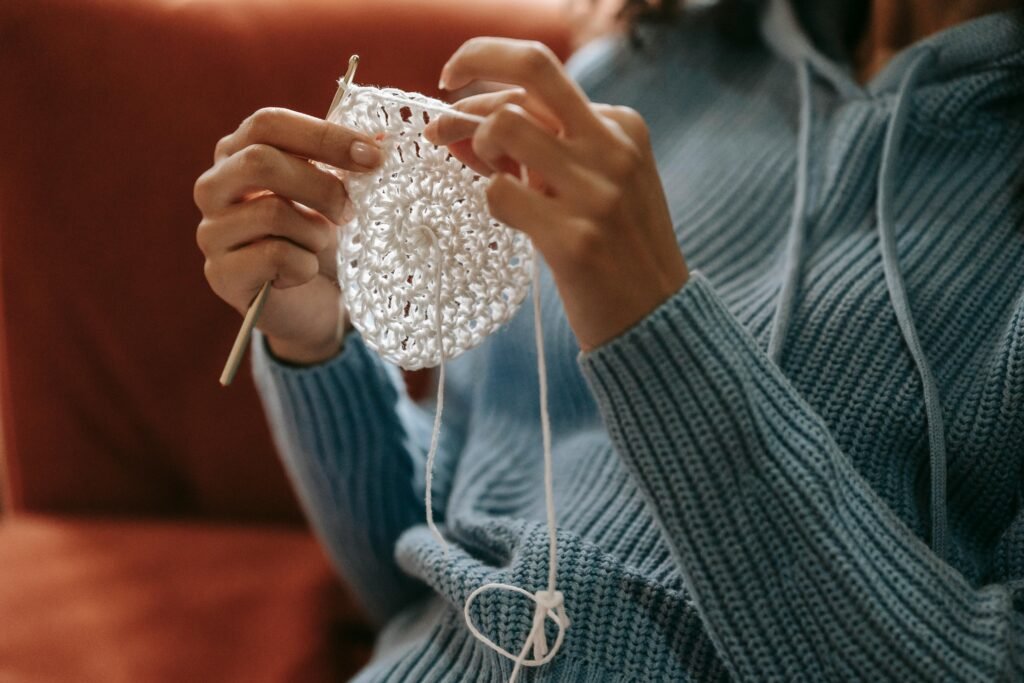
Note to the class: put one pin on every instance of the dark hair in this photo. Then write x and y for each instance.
(735, 18)
(659, 11)
(738, 18)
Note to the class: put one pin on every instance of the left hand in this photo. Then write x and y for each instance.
(593, 204)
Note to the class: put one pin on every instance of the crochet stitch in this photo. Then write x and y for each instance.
(389, 275)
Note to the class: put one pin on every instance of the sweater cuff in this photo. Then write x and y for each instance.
(354, 358)
(343, 398)
(692, 326)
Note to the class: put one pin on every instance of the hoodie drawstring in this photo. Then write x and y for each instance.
(890, 265)
(900, 303)
(795, 244)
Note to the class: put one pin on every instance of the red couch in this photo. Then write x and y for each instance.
(150, 534)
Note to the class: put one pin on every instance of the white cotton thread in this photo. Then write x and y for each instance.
(550, 602)
(396, 236)
(435, 434)
(384, 258)
(425, 104)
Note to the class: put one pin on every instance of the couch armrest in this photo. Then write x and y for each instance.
(112, 602)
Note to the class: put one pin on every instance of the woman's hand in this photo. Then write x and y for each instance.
(269, 214)
(593, 204)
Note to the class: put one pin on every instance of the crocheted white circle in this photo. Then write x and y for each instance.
(421, 237)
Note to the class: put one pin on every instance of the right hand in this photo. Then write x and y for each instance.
(269, 214)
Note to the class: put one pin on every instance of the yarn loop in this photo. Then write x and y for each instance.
(550, 605)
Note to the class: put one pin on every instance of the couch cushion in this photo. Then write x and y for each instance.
(117, 602)
(110, 341)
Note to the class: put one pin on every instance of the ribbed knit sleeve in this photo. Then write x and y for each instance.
(338, 429)
(798, 568)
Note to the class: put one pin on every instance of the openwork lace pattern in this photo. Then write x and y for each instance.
(422, 246)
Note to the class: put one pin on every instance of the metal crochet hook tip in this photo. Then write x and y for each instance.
(353, 63)
(252, 315)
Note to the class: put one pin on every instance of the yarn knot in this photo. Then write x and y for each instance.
(550, 604)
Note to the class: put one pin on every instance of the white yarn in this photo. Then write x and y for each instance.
(550, 602)
(386, 266)
(424, 213)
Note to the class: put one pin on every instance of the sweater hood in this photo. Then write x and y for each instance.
(956, 78)
(981, 60)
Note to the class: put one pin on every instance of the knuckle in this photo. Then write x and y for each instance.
(633, 122)
(299, 268)
(627, 114)
(262, 123)
(481, 143)
(538, 57)
(623, 162)
(474, 43)
(220, 149)
(586, 244)
(605, 200)
(273, 209)
(214, 275)
(203, 235)
(336, 200)
(515, 96)
(275, 252)
(497, 192)
(507, 121)
(320, 238)
(256, 161)
(200, 190)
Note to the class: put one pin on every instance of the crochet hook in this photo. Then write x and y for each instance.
(251, 315)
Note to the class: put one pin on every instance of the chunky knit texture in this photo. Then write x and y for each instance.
(722, 513)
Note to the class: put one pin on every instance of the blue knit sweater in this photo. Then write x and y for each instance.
(805, 465)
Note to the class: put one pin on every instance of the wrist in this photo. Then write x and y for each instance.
(302, 352)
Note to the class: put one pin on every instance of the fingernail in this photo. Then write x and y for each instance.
(430, 131)
(440, 83)
(364, 154)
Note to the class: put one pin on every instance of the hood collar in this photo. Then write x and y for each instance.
(813, 31)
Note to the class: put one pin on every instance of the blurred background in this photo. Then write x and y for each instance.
(147, 530)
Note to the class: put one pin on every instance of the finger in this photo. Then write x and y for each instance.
(511, 133)
(463, 151)
(528, 64)
(238, 275)
(516, 205)
(262, 167)
(266, 217)
(304, 136)
(628, 120)
(447, 129)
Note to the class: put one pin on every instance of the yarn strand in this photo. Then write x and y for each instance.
(435, 436)
(545, 426)
(550, 603)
